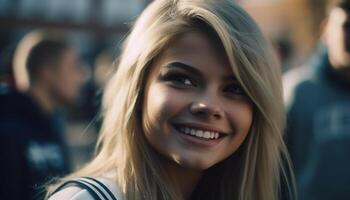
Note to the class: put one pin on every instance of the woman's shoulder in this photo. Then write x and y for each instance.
(71, 193)
(74, 192)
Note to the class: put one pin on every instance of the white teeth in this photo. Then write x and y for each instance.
(216, 135)
(193, 132)
(206, 134)
(200, 133)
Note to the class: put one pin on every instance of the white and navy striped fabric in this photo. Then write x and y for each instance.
(95, 188)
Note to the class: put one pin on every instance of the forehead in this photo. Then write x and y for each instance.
(194, 40)
(197, 49)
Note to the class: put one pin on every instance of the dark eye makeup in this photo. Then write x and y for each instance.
(234, 89)
(177, 78)
(183, 79)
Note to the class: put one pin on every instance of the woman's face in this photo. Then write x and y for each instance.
(195, 112)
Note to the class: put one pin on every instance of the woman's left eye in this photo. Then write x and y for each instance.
(234, 89)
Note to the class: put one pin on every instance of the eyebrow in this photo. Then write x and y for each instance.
(183, 66)
(193, 70)
(230, 78)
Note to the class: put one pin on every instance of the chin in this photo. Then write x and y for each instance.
(195, 164)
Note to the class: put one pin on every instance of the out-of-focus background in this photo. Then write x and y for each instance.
(96, 29)
(318, 117)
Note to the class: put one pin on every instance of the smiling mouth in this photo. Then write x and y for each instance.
(199, 133)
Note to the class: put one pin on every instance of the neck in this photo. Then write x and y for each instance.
(342, 71)
(185, 179)
(43, 98)
(343, 74)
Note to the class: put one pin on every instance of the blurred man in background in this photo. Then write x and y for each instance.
(31, 126)
(318, 103)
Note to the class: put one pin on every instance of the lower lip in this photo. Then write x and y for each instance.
(199, 142)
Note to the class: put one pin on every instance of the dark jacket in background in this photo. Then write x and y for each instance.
(318, 130)
(31, 147)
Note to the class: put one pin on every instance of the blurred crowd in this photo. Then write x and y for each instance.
(52, 78)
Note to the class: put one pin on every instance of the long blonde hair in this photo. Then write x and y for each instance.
(254, 171)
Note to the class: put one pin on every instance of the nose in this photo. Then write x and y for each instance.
(207, 107)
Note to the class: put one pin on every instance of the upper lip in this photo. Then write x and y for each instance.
(201, 126)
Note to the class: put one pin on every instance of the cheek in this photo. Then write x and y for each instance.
(241, 119)
(72, 82)
(161, 103)
(66, 86)
(335, 37)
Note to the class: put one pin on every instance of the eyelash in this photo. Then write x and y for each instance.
(234, 89)
(180, 80)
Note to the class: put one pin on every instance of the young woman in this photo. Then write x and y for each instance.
(194, 111)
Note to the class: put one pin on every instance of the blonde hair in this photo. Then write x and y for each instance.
(254, 171)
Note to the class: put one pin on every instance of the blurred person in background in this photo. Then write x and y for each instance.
(105, 65)
(31, 122)
(318, 103)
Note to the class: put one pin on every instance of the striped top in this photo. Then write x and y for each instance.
(75, 192)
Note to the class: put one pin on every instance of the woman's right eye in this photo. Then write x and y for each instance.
(180, 80)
